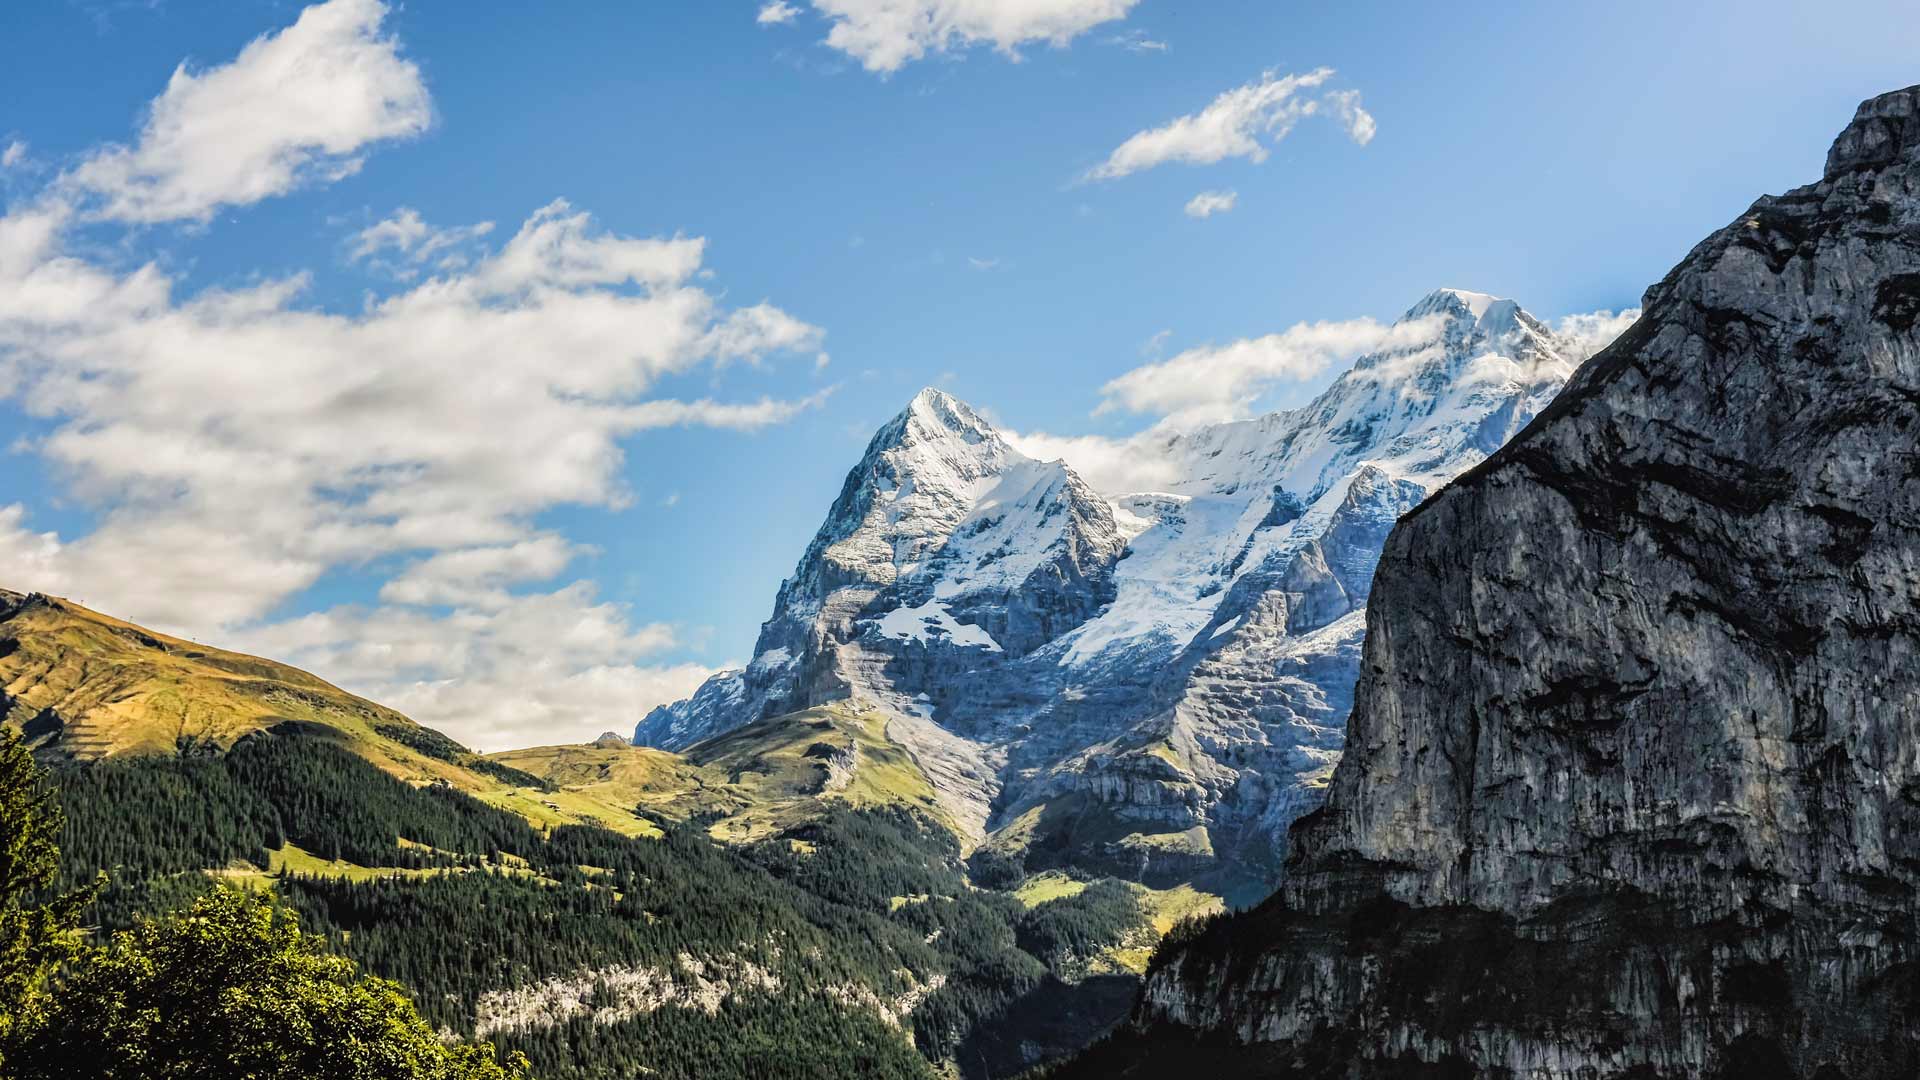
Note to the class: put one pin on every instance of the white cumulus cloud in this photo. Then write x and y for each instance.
(235, 445)
(1113, 466)
(1216, 382)
(1586, 334)
(1212, 383)
(295, 106)
(244, 443)
(561, 666)
(1345, 106)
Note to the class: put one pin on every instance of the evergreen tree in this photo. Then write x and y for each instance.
(228, 987)
(35, 937)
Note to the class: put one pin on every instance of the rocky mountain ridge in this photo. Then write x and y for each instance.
(1152, 683)
(1631, 786)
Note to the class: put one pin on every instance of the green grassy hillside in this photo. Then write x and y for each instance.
(787, 900)
(86, 687)
(748, 784)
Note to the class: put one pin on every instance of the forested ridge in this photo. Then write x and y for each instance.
(866, 950)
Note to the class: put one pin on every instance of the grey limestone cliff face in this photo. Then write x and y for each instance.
(1632, 779)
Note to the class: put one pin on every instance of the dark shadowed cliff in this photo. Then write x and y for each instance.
(1632, 785)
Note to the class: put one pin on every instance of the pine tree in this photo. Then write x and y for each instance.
(35, 936)
(228, 987)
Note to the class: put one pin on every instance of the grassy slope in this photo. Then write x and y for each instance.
(780, 767)
(86, 686)
(752, 782)
(604, 780)
(120, 689)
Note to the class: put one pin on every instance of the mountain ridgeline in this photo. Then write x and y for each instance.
(1631, 785)
(1150, 684)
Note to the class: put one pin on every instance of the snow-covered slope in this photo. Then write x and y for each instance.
(946, 547)
(1152, 683)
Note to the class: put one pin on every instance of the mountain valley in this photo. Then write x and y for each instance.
(1041, 725)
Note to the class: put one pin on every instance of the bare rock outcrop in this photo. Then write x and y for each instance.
(1632, 780)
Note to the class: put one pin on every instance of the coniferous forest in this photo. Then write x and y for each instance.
(852, 944)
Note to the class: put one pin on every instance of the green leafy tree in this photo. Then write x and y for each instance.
(230, 987)
(35, 937)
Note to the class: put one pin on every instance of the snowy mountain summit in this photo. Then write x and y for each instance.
(1147, 683)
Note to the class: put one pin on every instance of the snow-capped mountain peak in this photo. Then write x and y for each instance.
(934, 412)
(923, 474)
(1183, 658)
(1450, 301)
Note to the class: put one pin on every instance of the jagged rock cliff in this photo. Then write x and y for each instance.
(1150, 684)
(1632, 785)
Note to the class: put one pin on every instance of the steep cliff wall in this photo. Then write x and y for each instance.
(1632, 783)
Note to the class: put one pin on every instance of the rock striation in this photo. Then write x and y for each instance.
(1632, 779)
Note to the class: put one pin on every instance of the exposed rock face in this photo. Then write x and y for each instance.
(1143, 683)
(945, 546)
(713, 708)
(1632, 782)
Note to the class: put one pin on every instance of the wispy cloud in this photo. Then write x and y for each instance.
(1137, 41)
(777, 13)
(1244, 122)
(886, 35)
(983, 264)
(14, 154)
(405, 241)
(1208, 203)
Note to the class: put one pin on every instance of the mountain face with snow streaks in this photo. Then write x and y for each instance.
(1147, 683)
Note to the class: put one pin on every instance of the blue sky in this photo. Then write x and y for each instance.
(930, 223)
